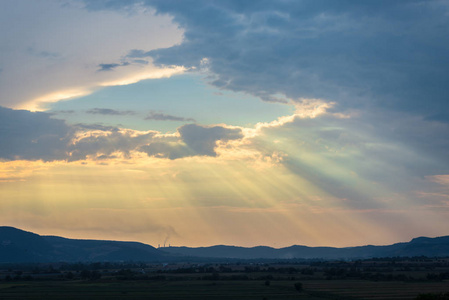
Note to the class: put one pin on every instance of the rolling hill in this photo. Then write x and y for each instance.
(422, 246)
(18, 246)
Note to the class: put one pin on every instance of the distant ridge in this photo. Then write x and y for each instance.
(422, 246)
(18, 246)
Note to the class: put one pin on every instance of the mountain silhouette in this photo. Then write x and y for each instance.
(422, 246)
(18, 246)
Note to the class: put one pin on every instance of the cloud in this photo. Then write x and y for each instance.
(54, 69)
(164, 117)
(349, 160)
(108, 111)
(41, 103)
(194, 140)
(170, 150)
(440, 179)
(110, 67)
(32, 136)
(360, 54)
(203, 140)
(103, 144)
(368, 80)
(87, 127)
(345, 160)
(37, 136)
(44, 54)
(137, 53)
(140, 61)
(70, 111)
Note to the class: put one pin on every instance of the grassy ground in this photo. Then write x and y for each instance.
(216, 290)
(150, 290)
(358, 289)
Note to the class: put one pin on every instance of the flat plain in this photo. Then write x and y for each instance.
(401, 279)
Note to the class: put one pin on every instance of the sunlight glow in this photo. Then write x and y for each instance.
(41, 103)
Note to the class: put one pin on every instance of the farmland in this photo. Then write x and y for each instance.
(395, 278)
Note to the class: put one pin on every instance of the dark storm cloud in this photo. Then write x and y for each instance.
(197, 140)
(390, 54)
(164, 117)
(108, 111)
(386, 59)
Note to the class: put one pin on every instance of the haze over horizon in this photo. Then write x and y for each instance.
(198, 123)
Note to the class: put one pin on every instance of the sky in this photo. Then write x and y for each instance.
(206, 122)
